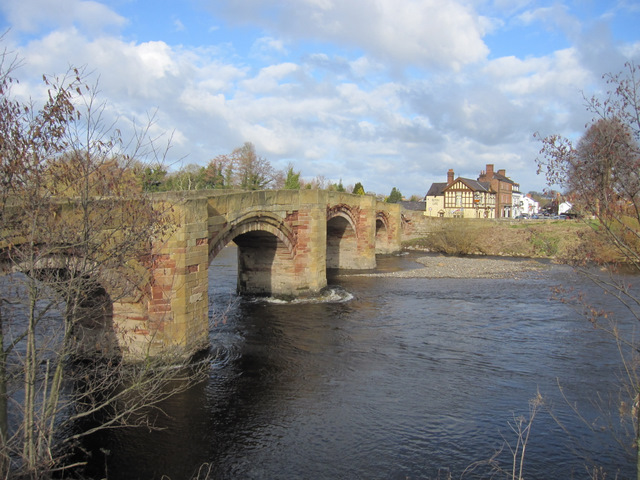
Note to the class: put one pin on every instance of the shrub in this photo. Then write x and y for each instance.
(455, 237)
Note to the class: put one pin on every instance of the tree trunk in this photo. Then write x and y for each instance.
(30, 366)
(637, 407)
(4, 417)
(4, 404)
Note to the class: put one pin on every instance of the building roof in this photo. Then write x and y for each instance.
(417, 206)
(473, 185)
(436, 189)
(502, 178)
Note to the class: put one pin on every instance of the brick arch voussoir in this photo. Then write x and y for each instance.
(345, 211)
(253, 222)
(405, 223)
(384, 235)
(384, 218)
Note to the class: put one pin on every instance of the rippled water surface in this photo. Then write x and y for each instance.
(409, 378)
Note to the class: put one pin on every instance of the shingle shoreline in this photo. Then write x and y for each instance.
(466, 267)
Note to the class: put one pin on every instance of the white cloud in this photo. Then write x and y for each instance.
(89, 16)
(555, 16)
(269, 78)
(140, 71)
(178, 25)
(365, 66)
(631, 50)
(441, 33)
(539, 77)
(266, 48)
(386, 96)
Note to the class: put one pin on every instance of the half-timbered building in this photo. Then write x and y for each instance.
(467, 198)
(461, 198)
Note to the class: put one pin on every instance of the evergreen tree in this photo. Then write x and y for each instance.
(395, 196)
(292, 181)
(358, 189)
(153, 178)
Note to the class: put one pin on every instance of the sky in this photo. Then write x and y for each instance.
(388, 93)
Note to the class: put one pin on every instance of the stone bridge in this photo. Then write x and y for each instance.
(286, 239)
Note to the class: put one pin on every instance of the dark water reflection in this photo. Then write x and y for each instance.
(412, 378)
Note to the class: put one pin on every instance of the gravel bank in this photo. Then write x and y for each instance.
(465, 267)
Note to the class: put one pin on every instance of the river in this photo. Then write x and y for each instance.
(394, 378)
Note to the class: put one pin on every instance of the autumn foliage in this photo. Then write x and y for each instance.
(75, 233)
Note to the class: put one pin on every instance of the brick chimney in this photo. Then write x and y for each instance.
(490, 170)
(502, 172)
(450, 176)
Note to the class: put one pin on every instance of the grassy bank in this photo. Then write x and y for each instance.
(564, 240)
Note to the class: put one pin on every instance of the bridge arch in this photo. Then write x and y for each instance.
(253, 222)
(94, 326)
(344, 211)
(266, 252)
(383, 232)
(342, 236)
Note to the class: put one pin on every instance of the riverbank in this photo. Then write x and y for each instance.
(562, 241)
(442, 266)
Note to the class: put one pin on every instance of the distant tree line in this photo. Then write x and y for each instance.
(242, 169)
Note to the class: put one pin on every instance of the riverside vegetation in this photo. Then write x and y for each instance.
(564, 241)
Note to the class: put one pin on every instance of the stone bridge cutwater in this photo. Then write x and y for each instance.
(286, 239)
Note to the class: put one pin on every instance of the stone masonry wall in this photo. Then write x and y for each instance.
(178, 307)
(415, 224)
(174, 310)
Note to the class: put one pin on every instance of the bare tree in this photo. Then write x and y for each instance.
(75, 230)
(252, 172)
(601, 174)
